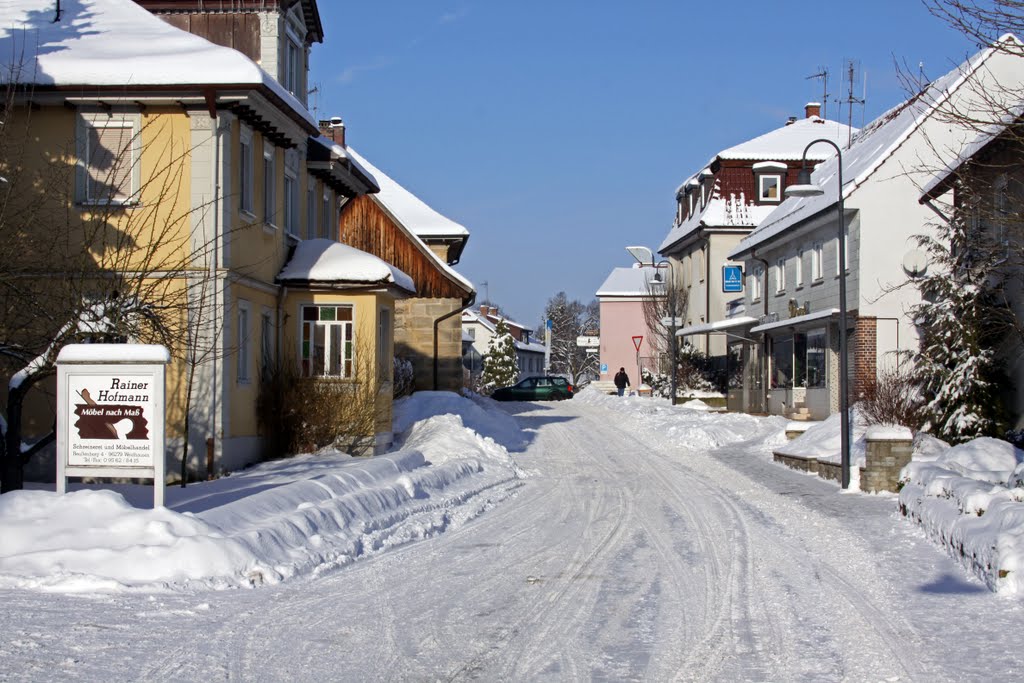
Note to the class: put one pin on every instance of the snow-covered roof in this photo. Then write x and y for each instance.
(533, 346)
(733, 211)
(413, 215)
(117, 43)
(409, 209)
(114, 353)
(634, 281)
(870, 149)
(716, 326)
(787, 143)
(325, 261)
(767, 151)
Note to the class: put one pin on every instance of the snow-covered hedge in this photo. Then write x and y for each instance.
(970, 498)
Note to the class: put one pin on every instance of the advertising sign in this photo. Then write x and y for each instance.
(110, 413)
(732, 278)
(111, 426)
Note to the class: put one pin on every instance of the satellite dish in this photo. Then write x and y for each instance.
(915, 262)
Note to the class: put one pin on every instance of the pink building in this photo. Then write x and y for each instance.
(621, 298)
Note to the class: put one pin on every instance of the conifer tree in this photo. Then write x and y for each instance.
(501, 367)
(961, 321)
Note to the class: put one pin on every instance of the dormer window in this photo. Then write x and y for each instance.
(706, 178)
(769, 177)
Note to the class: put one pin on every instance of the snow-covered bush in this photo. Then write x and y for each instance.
(893, 399)
(501, 365)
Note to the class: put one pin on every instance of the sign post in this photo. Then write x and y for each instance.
(638, 339)
(110, 413)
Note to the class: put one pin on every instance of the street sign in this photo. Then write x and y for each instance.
(588, 342)
(732, 278)
(637, 341)
(667, 322)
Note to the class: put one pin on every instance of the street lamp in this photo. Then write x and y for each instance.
(804, 188)
(644, 256)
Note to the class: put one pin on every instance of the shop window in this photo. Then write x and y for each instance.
(816, 341)
(782, 363)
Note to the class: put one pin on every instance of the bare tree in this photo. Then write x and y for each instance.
(971, 319)
(113, 270)
(569, 321)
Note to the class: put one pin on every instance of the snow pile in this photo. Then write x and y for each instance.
(970, 498)
(690, 426)
(283, 519)
(822, 441)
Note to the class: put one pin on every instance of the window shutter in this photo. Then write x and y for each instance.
(110, 163)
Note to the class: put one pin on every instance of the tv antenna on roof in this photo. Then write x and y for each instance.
(487, 292)
(851, 67)
(823, 75)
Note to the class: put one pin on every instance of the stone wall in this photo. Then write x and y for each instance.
(414, 340)
(889, 450)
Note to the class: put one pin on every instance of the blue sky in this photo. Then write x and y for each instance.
(557, 132)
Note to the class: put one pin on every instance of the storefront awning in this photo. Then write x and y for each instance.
(796, 321)
(717, 327)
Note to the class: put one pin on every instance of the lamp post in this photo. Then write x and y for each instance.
(804, 188)
(644, 256)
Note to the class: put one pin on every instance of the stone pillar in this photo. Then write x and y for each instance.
(889, 449)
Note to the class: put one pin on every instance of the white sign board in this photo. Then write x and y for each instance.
(110, 413)
(588, 342)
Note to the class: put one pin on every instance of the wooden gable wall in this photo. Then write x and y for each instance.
(366, 226)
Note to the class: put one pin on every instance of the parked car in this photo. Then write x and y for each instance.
(535, 389)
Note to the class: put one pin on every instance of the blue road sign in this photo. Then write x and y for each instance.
(732, 278)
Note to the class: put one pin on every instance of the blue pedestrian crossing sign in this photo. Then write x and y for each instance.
(732, 278)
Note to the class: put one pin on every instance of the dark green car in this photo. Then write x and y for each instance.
(535, 389)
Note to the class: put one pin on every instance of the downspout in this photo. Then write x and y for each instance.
(930, 205)
(218, 323)
(437, 324)
(707, 290)
(764, 335)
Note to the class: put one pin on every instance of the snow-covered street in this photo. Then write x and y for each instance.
(628, 547)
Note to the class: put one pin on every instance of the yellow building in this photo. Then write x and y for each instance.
(206, 175)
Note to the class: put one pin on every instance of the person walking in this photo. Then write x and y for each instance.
(621, 381)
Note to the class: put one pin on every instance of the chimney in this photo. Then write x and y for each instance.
(484, 310)
(334, 129)
(791, 120)
(812, 109)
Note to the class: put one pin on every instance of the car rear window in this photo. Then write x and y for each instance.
(559, 381)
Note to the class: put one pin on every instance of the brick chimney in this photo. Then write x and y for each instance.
(334, 129)
(812, 109)
(485, 310)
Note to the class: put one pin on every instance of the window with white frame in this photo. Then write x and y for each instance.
(817, 269)
(246, 172)
(799, 281)
(327, 341)
(384, 361)
(242, 342)
(780, 276)
(755, 282)
(846, 250)
(269, 185)
(325, 216)
(108, 147)
(769, 187)
(266, 344)
(311, 208)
